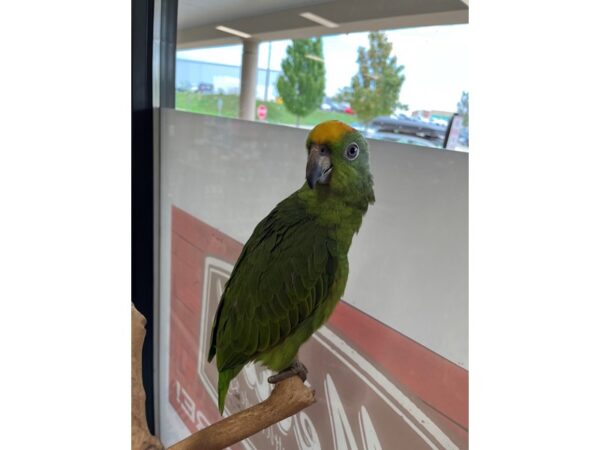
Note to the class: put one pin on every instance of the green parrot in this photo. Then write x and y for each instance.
(293, 269)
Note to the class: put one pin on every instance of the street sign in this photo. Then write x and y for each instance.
(261, 112)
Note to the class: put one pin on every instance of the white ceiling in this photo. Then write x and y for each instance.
(280, 19)
(197, 12)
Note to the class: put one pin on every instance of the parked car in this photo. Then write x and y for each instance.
(405, 139)
(407, 125)
(329, 104)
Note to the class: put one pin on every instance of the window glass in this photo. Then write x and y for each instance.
(431, 74)
(252, 79)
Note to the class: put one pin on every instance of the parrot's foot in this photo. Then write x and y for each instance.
(297, 368)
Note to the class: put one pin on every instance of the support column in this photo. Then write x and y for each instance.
(248, 81)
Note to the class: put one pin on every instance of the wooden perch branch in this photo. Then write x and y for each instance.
(289, 397)
(141, 439)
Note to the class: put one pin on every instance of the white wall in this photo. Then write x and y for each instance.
(408, 264)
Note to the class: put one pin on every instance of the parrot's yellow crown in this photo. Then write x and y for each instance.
(330, 131)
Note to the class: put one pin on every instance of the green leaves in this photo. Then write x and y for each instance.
(375, 88)
(302, 84)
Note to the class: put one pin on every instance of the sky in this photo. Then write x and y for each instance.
(435, 61)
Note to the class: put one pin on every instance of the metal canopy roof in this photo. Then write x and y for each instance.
(281, 19)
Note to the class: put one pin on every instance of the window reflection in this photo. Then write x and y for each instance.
(409, 98)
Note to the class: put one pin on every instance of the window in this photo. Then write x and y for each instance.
(392, 360)
(430, 75)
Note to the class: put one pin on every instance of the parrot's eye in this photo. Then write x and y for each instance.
(351, 152)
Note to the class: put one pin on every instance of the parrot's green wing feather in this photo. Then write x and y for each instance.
(284, 273)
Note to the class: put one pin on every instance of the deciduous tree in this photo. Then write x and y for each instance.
(375, 88)
(302, 83)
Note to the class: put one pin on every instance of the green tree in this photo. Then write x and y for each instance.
(302, 84)
(375, 88)
(462, 108)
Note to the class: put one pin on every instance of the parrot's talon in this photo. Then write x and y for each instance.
(297, 368)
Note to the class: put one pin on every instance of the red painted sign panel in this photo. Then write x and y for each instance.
(375, 388)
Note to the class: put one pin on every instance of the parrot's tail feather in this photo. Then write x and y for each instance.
(225, 378)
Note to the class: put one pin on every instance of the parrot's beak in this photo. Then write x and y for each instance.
(318, 167)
